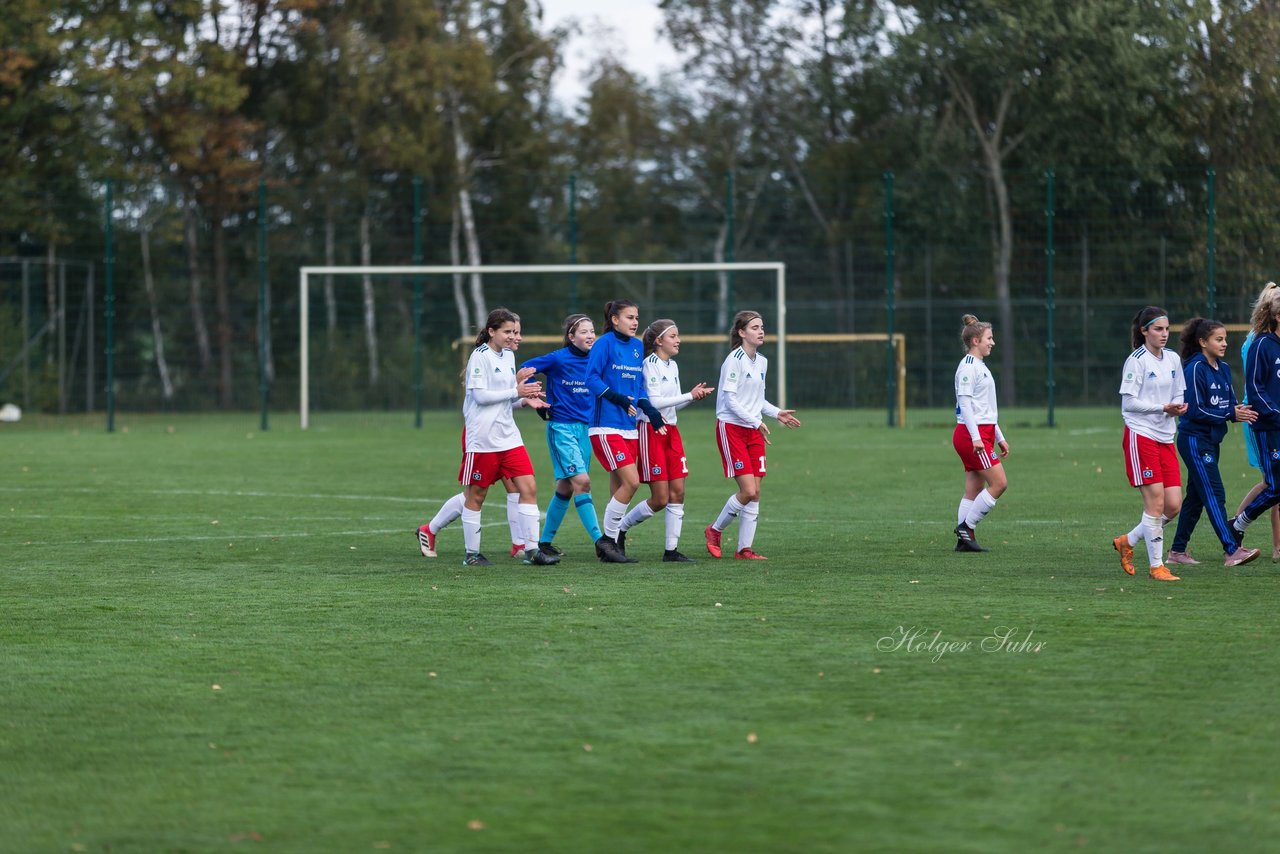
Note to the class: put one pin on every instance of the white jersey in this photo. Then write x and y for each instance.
(1153, 380)
(662, 384)
(491, 426)
(740, 393)
(974, 381)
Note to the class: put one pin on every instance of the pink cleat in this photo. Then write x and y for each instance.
(1240, 557)
(1184, 559)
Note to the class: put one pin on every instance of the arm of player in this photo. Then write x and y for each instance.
(1002, 442)
(786, 417)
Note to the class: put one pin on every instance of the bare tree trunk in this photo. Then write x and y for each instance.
(1002, 250)
(222, 302)
(1084, 308)
(149, 283)
(330, 256)
(366, 287)
(459, 297)
(197, 299)
(51, 296)
(461, 155)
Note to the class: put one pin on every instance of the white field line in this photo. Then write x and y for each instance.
(234, 538)
(227, 493)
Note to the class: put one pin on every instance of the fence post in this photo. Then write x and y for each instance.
(109, 305)
(891, 377)
(1212, 302)
(1048, 287)
(573, 241)
(264, 324)
(417, 303)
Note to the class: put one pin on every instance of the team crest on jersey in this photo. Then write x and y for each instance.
(1275, 455)
(476, 476)
(635, 353)
(620, 456)
(1146, 473)
(657, 470)
(572, 469)
(1208, 458)
(737, 464)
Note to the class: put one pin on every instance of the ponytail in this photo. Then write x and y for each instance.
(613, 308)
(971, 329)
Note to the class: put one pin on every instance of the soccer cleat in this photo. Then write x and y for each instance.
(1239, 557)
(1121, 544)
(748, 554)
(547, 548)
(1162, 573)
(517, 549)
(674, 556)
(427, 541)
(1275, 555)
(621, 540)
(1187, 560)
(607, 551)
(965, 540)
(537, 557)
(476, 559)
(713, 541)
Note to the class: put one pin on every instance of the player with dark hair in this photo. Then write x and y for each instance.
(741, 433)
(1151, 395)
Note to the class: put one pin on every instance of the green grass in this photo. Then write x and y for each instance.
(369, 698)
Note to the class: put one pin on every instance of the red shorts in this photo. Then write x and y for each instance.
(741, 449)
(661, 457)
(482, 468)
(964, 447)
(614, 450)
(1148, 461)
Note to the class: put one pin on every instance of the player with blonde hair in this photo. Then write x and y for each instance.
(977, 433)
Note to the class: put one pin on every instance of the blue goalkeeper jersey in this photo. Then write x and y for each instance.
(566, 372)
(617, 363)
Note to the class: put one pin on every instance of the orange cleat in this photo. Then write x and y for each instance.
(1162, 573)
(1121, 544)
(748, 554)
(713, 541)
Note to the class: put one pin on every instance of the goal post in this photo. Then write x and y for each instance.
(305, 275)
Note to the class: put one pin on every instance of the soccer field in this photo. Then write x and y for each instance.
(216, 638)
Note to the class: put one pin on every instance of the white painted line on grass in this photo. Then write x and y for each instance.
(235, 537)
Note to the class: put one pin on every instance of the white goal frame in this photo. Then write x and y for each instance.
(304, 315)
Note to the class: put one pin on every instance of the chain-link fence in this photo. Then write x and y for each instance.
(145, 297)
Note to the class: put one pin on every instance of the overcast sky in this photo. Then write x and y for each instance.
(626, 28)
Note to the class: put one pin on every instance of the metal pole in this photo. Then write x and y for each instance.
(573, 241)
(90, 363)
(264, 385)
(782, 336)
(1048, 287)
(417, 303)
(891, 379)
(109, 310)
(304, 354)
(26, 334)
(1212, 301)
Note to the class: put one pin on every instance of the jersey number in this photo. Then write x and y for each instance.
(762, 464)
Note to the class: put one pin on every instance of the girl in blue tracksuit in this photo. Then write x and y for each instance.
(615, 378)
(1262, 385)
(572, 408)
(1211, 403)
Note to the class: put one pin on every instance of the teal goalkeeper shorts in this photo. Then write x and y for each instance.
(570, 448)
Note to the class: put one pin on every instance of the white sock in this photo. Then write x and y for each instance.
(528, 519)
(1242, 523)
(1155, 540)
(470, 530)
(613, 513)
(675, 521)
(732, 508)
(1139, 533)
(747, 524)
(963, 512)
(451, 510)
(982, 505)
(635, 516)
(513, 520)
